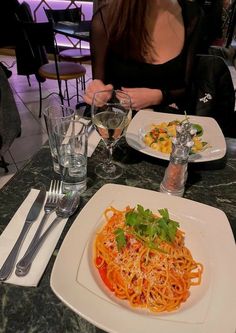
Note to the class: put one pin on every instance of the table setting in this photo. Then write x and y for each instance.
(13, 229)
(61, 273)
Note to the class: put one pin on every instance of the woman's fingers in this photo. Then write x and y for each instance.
(143, 97)
(94, 86)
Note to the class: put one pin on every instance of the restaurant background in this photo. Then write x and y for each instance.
(33, 134)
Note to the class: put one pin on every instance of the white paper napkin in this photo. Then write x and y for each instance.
(93, 140)
(11, 233)
(93, 137)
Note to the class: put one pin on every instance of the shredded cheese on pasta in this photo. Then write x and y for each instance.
(145, 277)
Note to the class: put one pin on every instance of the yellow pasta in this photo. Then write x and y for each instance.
(160, 138)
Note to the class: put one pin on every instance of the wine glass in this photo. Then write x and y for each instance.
(111, 114)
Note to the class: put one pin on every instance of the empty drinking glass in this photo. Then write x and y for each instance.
(71, 138)
(53, 116)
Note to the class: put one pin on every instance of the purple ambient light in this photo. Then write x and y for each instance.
(87, 9)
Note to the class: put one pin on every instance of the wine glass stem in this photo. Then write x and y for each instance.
(109, 154)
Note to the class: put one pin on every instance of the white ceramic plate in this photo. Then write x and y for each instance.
(211, 306)
(143, 120)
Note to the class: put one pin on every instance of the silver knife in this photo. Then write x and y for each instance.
(9, 263)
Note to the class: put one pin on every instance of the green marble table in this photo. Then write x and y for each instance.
(29, 310)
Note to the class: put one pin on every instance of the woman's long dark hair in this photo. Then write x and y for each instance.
(127, 27)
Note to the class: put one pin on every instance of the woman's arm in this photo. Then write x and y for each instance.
(99, 43)
(98, 46)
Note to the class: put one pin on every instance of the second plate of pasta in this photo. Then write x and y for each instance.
(151, 133)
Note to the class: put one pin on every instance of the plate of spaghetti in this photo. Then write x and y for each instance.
(152, 132)
(136, 258)
(141, 257)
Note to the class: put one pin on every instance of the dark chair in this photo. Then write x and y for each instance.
(76, 53)
(212, 93)
(10, 123)
(73, 15)
(23, 14)
(67, 14)
(35, 44)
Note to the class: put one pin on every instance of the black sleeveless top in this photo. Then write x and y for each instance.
(130, 73)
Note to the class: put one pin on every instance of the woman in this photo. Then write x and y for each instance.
(146, 48)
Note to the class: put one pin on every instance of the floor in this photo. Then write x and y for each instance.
(33, 134)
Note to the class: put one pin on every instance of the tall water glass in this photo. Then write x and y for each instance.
(53, 116)
(71, 139)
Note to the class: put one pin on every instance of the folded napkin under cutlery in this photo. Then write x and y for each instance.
(11, 233)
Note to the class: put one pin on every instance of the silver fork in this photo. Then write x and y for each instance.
(54, 194)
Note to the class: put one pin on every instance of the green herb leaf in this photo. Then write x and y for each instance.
(198, 128)
(120, 238)
(164, 213)
(151, 229)
(131, 218)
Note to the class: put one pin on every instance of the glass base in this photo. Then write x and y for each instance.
(56, 168)
(78, 187)
(177, 193)
(108, 171)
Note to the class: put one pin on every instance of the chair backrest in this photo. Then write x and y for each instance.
(73, 15)
(28, 57)
(10, 123)
(40, 34)
(213, 92)
(24, 13)
(35, 41)
(70, 14)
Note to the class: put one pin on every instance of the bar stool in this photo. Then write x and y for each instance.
(34, 40)
(76, 54)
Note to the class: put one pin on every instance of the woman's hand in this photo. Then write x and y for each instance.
(143, 97)
(94, 86)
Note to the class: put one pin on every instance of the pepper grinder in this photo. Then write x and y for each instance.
(175, 176)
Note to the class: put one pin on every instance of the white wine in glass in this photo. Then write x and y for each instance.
(111, 114)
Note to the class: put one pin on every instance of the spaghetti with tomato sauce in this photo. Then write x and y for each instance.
(150, 270)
